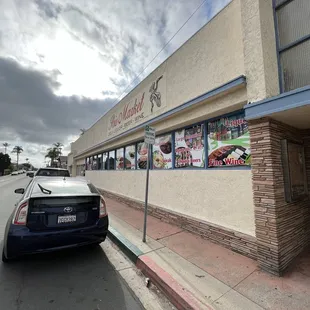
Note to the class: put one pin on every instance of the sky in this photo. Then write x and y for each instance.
(64, 63)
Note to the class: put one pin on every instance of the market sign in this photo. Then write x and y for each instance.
(128, 114)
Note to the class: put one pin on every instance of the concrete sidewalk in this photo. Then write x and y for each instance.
(197, 274)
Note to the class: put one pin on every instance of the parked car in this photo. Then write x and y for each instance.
(30, 173)
(53, 172)
(14, 173)
(53, 214)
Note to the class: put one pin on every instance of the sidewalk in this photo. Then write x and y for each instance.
(200, 274)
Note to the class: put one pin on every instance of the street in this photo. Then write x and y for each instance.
(74, 279)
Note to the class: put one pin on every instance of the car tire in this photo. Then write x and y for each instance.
(4, 258)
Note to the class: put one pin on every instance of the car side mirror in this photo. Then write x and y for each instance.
(19, 191)
(31, 175)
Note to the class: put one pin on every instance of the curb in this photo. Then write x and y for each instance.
(179, 296)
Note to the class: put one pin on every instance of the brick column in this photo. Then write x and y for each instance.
(281, 228)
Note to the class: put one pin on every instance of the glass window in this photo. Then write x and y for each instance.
(162, 152)
(111, 160)
(90, 163)
(120, 159)
(130, 157)
(293, 21)
(105, 161)
(94, 165)
(99, 164)
(229, 142)
(87, 164)
(142, 152)
(189, 147)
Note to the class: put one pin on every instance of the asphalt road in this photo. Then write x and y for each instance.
(79, 279)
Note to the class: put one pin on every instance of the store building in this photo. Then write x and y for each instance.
(231, 109)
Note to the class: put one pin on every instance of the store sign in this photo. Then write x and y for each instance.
(229, 142)
(142, 107)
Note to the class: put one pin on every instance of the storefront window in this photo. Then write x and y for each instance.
(229, 142)
(112, 160)
(142, 152)
(120, 159)
(90, 163)
(130, 157)
(189, 147)
(105, 161)
(94, 165)
(99, 164)
(162, 152)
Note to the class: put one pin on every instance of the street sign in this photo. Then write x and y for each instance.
(149, 135)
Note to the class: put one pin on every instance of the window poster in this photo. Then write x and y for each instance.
(130, 157)
(112, 160)
(120, 159)
(105, 161)
(162, 152)
(189, 147)
(229, 142)
(142, 151)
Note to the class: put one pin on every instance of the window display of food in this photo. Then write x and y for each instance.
(162, 152)
(229, 142)
(120, 159)
(130, 157)
(189, 147)
(142, 151)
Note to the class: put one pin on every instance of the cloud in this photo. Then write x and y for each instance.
(32, 113)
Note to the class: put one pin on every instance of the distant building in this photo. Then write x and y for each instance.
(62, 162)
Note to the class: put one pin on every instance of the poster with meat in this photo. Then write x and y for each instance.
(162, 152)
(229, 142)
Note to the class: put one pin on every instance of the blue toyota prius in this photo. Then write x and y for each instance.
(53, 214)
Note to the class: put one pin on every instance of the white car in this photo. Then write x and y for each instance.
(14, 173)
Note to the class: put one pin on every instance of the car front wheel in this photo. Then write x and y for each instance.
(4, 258)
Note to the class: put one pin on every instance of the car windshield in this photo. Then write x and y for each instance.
(53, 173)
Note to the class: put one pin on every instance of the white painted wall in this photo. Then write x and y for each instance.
(222, 197)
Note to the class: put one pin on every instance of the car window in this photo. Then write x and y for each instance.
(53, 173)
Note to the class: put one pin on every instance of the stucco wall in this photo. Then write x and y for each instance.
(208, 60)
(222, 197)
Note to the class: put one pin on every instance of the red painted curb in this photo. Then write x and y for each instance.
(181, 298)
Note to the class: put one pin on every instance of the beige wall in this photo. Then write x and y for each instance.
(217, 196)
(208, 60)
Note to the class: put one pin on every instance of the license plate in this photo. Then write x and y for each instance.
(66, 219)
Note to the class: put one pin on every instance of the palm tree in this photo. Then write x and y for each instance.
(17, 149)
(52, 153)
(5, 144)
(82, 131)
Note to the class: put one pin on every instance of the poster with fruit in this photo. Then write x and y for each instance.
(130, 157)
(189, 147)
(162, 152)
(229, 142)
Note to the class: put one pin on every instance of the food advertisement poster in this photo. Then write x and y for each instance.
(162, 152)
(229, 142)
(189, 147)
(130, 156)
(120, 159)
(142, 155)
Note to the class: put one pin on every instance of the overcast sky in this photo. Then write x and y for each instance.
(63, 63)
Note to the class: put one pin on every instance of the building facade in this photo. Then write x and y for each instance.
(231, 109)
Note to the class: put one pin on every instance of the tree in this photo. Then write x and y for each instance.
(6, 145)
(58, 146)
(82, 130)
(18, 150)
(52, 153)
(5, 162)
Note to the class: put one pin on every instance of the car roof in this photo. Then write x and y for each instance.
(62, 186)
(52, 168)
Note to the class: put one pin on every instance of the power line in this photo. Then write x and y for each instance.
(200, 5)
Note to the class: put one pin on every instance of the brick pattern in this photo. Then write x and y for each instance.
(233, 240)
(282, 229)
